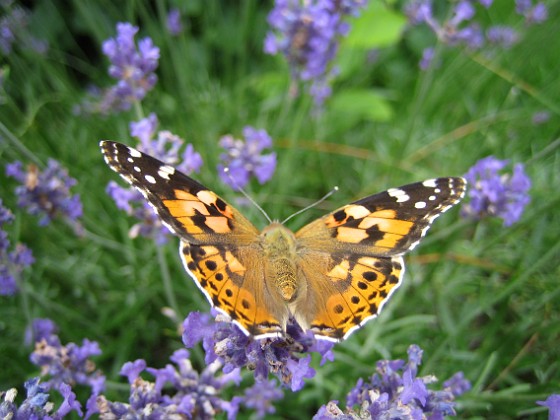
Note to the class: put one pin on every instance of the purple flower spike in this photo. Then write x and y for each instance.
(174, 25)
(132, 67)
(178, 391)
(65, 364)
(46, 193)
(12, 263)
(502, 36)
(495, 194)
(395, 391)
(307, 34)
(245, 158)
(260, 397)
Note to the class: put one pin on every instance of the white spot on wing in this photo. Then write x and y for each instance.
(420, 205)
(134, 153)
(150, 179)
(137, 169)
(165, 170)
(431, 183)
(399, 194)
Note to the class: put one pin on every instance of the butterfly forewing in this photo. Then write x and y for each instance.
(188, 208)
(390, 223)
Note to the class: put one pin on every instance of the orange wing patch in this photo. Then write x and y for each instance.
(220, 275)
(363, 285)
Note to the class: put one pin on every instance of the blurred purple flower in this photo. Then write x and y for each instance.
(502, 36)
(540, 117)
(457, 384)
(260, 397)
(533, 14)
(427, 58)
(15, 30)
(495, 194)
(41, 329)
(553, 404)
(462, 30)
(36, 404)
(66, 364)
(167, 148)
(46, 193)
(13, 262)
(174, 25)
(132, 66)
(245, 158)
(307, 34)
(395, 391)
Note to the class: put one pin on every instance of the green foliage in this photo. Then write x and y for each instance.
(477, 297)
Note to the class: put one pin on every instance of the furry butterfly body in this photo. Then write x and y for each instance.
(331, 276)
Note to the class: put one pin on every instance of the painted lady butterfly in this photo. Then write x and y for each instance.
(332, 275)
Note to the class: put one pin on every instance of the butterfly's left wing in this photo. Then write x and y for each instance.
(190, 210)
(219, 247)
(358, 249)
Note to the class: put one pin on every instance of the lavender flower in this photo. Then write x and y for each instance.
(41, 329)
(260, 397)
(46, 193)
(245, 158)
(553, 405)
(174, 25)
(37, 405)
(65, 365)
(307, 34)
(395, 391)
(165, 147)
(461, 29)
(14, 30)
(495, 194)
(225, 342)
(132, 66)
(456, 30)
(427, 58)
(13, 262)
(502, 36)
(533, 14)
(188, 393)
(540, 117)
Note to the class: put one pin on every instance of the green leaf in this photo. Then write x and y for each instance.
(360, 104)
(376, 27)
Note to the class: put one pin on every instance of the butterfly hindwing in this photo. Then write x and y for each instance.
(188, 208)
(350, 290)
(235, 285)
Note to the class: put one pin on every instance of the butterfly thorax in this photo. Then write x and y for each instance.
(279, 245)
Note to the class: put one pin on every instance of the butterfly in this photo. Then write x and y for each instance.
(331, 276)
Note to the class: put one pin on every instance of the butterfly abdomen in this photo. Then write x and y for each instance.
(280, 249)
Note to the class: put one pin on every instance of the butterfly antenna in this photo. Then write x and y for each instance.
(327, 195)
(247, 196)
